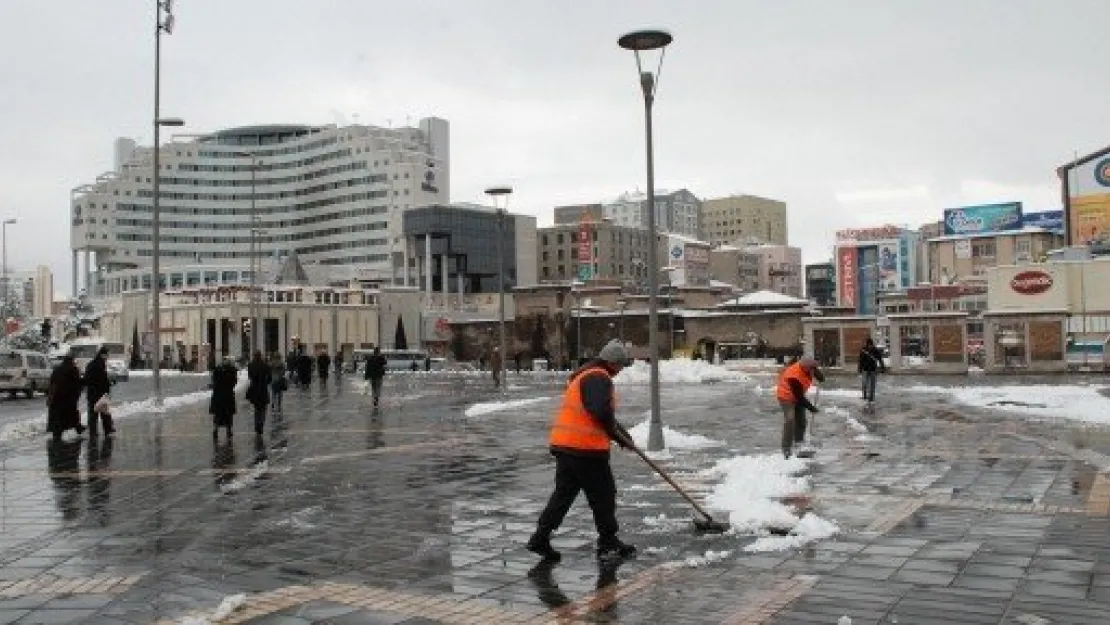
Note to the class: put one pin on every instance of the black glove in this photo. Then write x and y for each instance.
(814, 409)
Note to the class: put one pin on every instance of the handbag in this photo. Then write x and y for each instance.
(102, 405)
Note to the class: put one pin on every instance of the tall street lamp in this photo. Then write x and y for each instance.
(637, 42)
(4, 302)
(621, 305)
(500, 194)
(253, 302)
(163, 21)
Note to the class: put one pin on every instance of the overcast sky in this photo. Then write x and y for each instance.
(854, 112)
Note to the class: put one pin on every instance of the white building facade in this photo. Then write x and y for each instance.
(334, 195)
(676, 212)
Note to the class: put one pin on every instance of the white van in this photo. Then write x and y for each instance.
(85, 349)
(24, 371)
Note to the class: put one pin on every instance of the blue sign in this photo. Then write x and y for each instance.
(1102, 172)
(1049, 220)
(983, 219)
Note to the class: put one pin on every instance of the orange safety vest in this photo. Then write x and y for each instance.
(574, 426)
(793, 372)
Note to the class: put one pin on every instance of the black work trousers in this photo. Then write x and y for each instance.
(575, 473)
(793, 426)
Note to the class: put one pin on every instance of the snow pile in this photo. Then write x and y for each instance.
(694, 562)
(490, 407)
(1079, 403)
(809, 529)
(672, 439)
(226, 608)
(753, 490)
(245, 480)
(29, 428)
(679, 371)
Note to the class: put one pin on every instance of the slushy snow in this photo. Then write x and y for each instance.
(752, 492)
(1074, 402)
(245, 480)
(226, 608)
(490, 407)
(672, 439)
(679, 371)
(694, 562)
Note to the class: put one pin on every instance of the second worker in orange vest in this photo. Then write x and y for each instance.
(580, 439)
(794, 381)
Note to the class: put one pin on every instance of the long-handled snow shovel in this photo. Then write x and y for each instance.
(707, 525)
(809, 453)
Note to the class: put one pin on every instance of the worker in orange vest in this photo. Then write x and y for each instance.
(794, 381)
(580, 438)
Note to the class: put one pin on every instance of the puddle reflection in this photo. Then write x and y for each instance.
(98, 462)
(63, 460)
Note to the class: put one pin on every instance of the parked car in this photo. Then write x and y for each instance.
(24, 372)
(85, 349)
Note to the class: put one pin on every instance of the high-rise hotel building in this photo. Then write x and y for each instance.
(333, 195)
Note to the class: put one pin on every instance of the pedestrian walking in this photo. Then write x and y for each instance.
(870, 363)
(222, 403)
(62, 398)
(495, 366)
(323, 367)
(98, 385)
(375, 373)
(580, 440)
(794, 382)
(278, 382)
(258, 390)
(304, 370)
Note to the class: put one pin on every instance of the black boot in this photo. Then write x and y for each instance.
(614, 548)
(541, 546)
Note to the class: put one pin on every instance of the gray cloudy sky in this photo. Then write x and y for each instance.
(855, 112)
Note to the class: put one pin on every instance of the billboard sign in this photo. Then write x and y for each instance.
(1088, 193)
(983, 219)
(846, 268)
(585, 252)
(1049, 220)
(1032, 282)
(890, 275)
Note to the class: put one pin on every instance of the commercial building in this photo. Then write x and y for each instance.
(978, 238)
(1085, 188)
(780, 268)
(736, 266)
(687, 260)
(31, 292)
(870, 261)
(599, 250)
(334, 195)
(676, 212)
(744, 219)
(821, 284)
(454, 248)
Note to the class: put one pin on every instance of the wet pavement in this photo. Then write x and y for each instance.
(417, 514)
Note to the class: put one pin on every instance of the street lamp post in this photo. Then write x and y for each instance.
(4, 302)
(502, 194)
(163, 21)
(621, 305)
(637, 42)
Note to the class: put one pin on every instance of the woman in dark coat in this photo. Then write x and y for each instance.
(258, 389)
(63, 397)
(222, 404)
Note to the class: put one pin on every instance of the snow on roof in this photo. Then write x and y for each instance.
(765, 298)
(720, 284)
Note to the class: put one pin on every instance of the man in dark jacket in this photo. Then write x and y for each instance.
(62, 398)
(870, 363)
(375, 373)
(580, 440)
(97, 385)
(222, 403)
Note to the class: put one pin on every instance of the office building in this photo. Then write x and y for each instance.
(871, 261)
(780, 268)
(453, 249)
(821, 284)
(736, 266)
(31, 292)
(978, 238)
(333, 195)
(676, 212)
(599, 250)
(744, 219)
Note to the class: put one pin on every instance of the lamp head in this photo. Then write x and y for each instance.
(496, 191)
(644, 40)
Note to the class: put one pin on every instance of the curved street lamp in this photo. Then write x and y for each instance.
(639, 42)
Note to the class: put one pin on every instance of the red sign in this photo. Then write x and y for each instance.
(846, 275)
(881, 233)
(585, 244)
(1032, 282)
(443, 327)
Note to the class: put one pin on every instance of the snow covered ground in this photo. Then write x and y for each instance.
(679, 371)
(672, 439)
(1051, 401)
(753, 489)
(489, 407)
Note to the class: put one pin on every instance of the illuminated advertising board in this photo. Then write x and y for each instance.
(983, 219)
